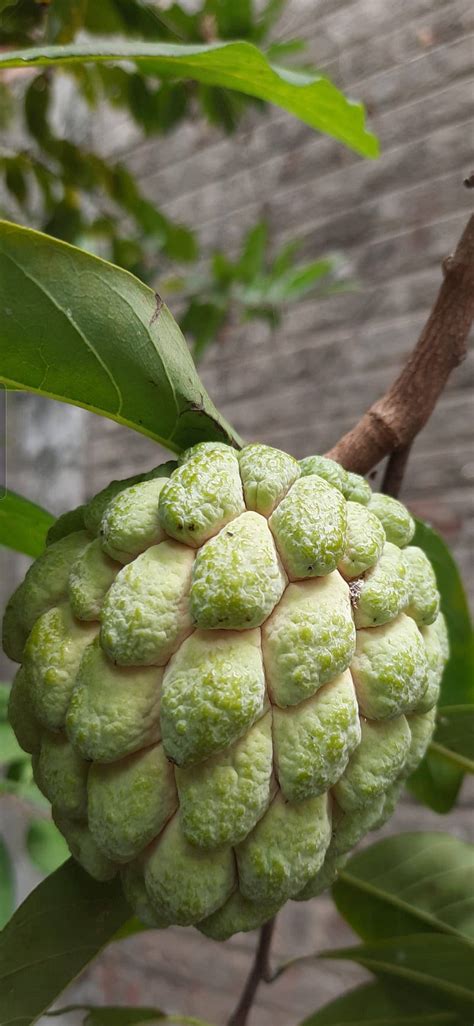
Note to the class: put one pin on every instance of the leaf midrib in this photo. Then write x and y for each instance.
(396, 902)
(88, 345)
(417, 975)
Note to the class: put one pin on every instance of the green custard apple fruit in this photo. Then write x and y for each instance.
(229, 667)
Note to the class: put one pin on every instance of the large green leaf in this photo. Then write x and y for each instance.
(60, 927)
(428, 964)
(23, 524)
(79, 329)
(437, 781)
(234, 65)
(409, 883)
(375, 1004)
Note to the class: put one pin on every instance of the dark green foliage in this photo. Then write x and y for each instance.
(60, 927)
(74, 194)
(72, 181)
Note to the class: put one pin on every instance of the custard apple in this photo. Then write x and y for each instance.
(230, 666)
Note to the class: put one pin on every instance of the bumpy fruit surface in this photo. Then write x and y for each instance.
(229, 668)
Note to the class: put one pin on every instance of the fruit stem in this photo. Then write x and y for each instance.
(395, 470)
(259, 972)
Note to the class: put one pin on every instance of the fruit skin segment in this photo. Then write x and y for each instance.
(309, 639)
(145, 615)
(309, 527)
(237, 577)
(229, 667)
(213, 691)
(314, 740)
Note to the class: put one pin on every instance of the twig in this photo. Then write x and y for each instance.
(259, 972)
(394, 471)
(393, 421)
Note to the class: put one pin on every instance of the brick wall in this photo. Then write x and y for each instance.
(393, 220)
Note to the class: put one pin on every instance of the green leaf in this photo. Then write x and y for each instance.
(234, 65)
(23, 524)
(45, 845)
(78, 329)
(9, 747)
(37, 102)
(431, 964)
(409, 883)
(276, 52)
(7, 886)
(298, 280)
(55, 933)
(234, 21)
(7, 105)
(437, 782)
(285, 258)
(222, 107)
(438, 779)
(454, 737)
(202, 321)
(64, 19)
(458, 680)
(269, 15)
(19, 781)
(4, 698)
(19, 19)
(15, 179)
(222, 269)
(375, 1004)
(131, 17)
(253, 254)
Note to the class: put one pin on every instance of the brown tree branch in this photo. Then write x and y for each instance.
(259, 972)
(391, 424)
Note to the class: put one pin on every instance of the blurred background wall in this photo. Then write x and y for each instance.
(302, 385)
